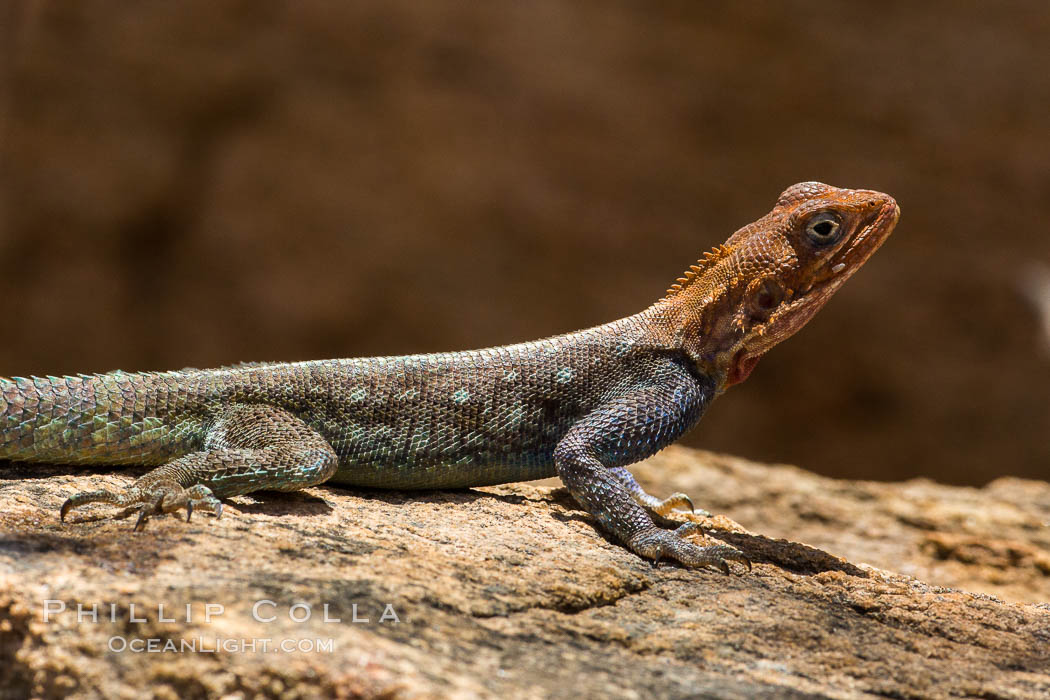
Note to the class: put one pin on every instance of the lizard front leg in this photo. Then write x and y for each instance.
(631, 426)
(247, 448)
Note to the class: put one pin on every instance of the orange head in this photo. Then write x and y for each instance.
(771, 276)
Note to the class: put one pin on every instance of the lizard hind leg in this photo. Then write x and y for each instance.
(247, 448)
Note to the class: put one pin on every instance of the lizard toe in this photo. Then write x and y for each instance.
(85, 497)
(667, 505)
(672, 502)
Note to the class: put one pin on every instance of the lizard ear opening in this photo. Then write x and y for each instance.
(764, 299)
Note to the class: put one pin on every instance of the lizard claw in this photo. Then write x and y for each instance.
(145, 510)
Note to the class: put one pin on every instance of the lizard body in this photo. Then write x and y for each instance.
(582, 405)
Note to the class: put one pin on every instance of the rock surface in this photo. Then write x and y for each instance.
(908, 590)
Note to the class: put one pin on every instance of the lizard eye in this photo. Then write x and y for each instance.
(823, 229)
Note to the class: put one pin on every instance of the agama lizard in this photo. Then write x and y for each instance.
(582, 405)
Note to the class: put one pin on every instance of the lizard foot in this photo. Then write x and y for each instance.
(657, 544)
(163, 496)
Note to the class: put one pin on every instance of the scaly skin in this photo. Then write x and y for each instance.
(582, 405)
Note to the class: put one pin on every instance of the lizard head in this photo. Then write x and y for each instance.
(773, 275)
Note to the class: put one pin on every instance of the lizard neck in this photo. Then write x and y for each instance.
(677, 323)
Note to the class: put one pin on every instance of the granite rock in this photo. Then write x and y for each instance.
(858, 589)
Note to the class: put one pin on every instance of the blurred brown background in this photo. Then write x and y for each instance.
(200, 183)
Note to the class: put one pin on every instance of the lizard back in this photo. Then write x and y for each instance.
(429, 420)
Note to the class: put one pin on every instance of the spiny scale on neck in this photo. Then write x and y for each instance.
(694, 273)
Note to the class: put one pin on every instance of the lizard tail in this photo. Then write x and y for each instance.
(113, 418)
